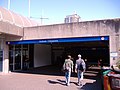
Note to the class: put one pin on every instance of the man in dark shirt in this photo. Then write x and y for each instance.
(80, 68)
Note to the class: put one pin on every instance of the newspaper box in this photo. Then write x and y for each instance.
(114, 81)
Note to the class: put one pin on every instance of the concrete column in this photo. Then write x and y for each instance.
(113, 44)
(5, 58)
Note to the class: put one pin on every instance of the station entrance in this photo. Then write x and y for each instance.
(91, 52)
(54, 51)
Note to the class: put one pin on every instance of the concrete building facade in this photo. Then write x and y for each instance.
(42, 44)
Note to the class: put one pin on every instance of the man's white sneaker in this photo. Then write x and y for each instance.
(68, 84)
(79, 84)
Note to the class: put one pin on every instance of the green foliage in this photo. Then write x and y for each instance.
(118, 64)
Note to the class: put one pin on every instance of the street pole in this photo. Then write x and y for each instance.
(29, 9)
(8, 4)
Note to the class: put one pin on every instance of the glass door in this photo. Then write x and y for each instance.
(25, 56)
(11, 58)
(17, 61)
(1, 60)
(1, 54)
(18, 57)
(14, 57)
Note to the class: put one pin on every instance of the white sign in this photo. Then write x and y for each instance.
(113, 54)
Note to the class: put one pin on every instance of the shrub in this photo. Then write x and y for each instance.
(118, 64)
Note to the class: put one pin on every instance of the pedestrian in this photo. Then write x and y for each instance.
(100, 64)
(68, 67)
(86, 64)
(26, 63)
(80, 68)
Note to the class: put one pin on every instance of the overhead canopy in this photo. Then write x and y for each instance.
(60, 40)
(16, 19)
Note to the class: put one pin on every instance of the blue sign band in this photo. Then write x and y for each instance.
(60, 40)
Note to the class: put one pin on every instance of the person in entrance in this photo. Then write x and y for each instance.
(68, 68)
(26, 62)
(80, 68)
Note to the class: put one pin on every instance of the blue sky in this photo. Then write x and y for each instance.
(57, 10)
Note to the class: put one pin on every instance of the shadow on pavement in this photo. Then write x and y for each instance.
(90, 74)
(62, 82)
(45, 70)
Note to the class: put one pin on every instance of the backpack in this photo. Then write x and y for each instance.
(80, 67)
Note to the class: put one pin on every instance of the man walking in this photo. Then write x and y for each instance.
(68, 66)
(80, 68)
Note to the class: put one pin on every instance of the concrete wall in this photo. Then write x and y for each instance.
(7, 28)
(42, 55)
(110, 27)
(81, 29)
(5, 58)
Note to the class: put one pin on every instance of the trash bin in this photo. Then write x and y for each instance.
(106, 83)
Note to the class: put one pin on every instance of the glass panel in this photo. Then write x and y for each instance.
(17, 57)
(17, 62)
(1, 54)
(25, 53)
(11, 56)
(1, 60)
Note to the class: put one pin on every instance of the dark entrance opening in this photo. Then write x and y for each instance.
(90, 51)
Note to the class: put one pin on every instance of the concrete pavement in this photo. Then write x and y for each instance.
(30, 81)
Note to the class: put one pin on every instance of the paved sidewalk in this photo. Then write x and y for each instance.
(24, 81)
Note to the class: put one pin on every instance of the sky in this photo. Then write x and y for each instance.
(56, 10)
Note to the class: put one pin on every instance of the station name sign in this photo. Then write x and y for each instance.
(48, 41)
